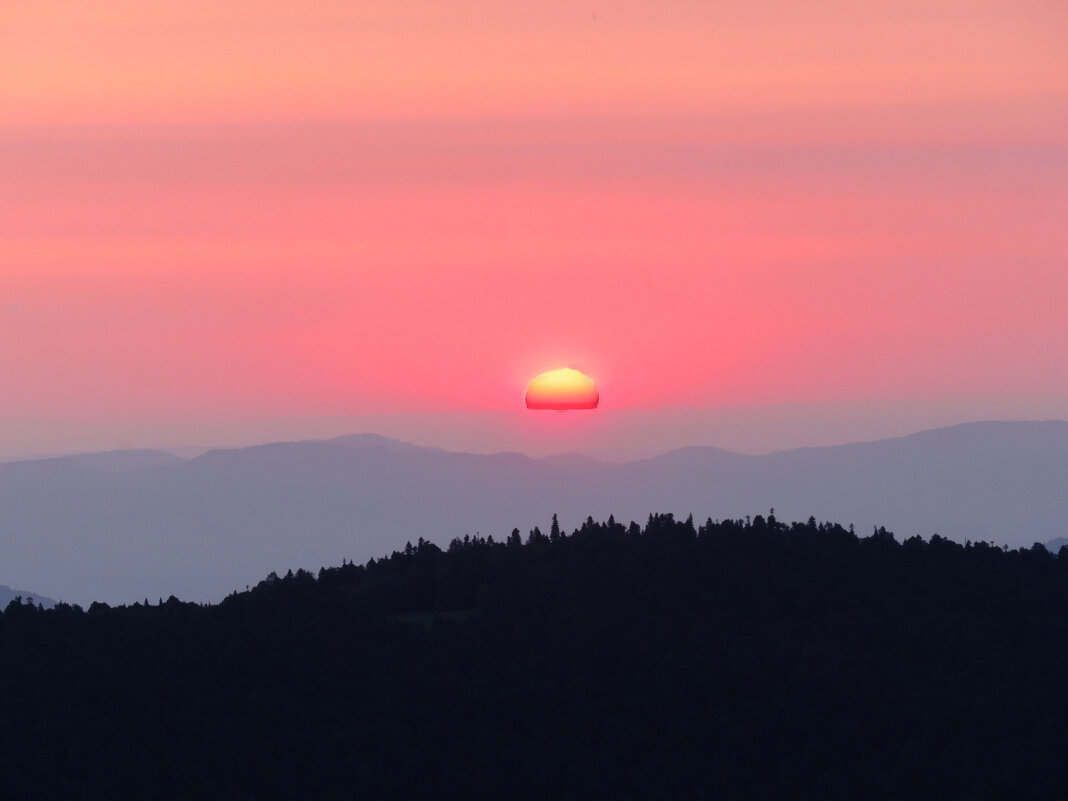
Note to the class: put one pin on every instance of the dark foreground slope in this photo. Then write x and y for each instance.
(735, 661)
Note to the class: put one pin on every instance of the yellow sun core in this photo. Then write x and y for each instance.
(562, 389)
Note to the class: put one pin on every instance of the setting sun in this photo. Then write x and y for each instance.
(562, 389)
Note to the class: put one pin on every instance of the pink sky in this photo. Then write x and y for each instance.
(225, 214)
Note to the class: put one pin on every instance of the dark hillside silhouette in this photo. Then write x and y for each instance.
(733, 660)
(117, 527)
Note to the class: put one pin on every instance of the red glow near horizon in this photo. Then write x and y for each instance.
(415, 207)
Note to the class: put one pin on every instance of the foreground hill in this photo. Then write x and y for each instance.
(122, 526)
(731, 661)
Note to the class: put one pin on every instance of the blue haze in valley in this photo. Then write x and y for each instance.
(127, 525)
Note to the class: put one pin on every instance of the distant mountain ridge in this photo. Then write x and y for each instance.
(7, 595)
(126, 525)
(1054, 546)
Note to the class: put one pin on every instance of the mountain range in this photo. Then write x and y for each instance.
(7, 595)
(126, 525)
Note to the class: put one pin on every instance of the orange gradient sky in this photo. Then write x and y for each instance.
(227, 211)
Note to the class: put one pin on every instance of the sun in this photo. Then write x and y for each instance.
(562, 389)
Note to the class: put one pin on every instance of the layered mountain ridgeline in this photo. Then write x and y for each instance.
(117, 527)
(736, 659)
(7, 595)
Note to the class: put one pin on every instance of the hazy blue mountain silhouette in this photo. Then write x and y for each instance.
(7, 595)
(123, 526)
(1054, 545)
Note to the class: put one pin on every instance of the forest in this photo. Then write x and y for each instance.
(734, 659)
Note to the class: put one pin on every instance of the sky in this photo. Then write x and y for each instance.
(755, 224)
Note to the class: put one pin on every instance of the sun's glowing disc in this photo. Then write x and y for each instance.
(562, 389)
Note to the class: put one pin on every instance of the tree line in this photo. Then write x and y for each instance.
(733, 659)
